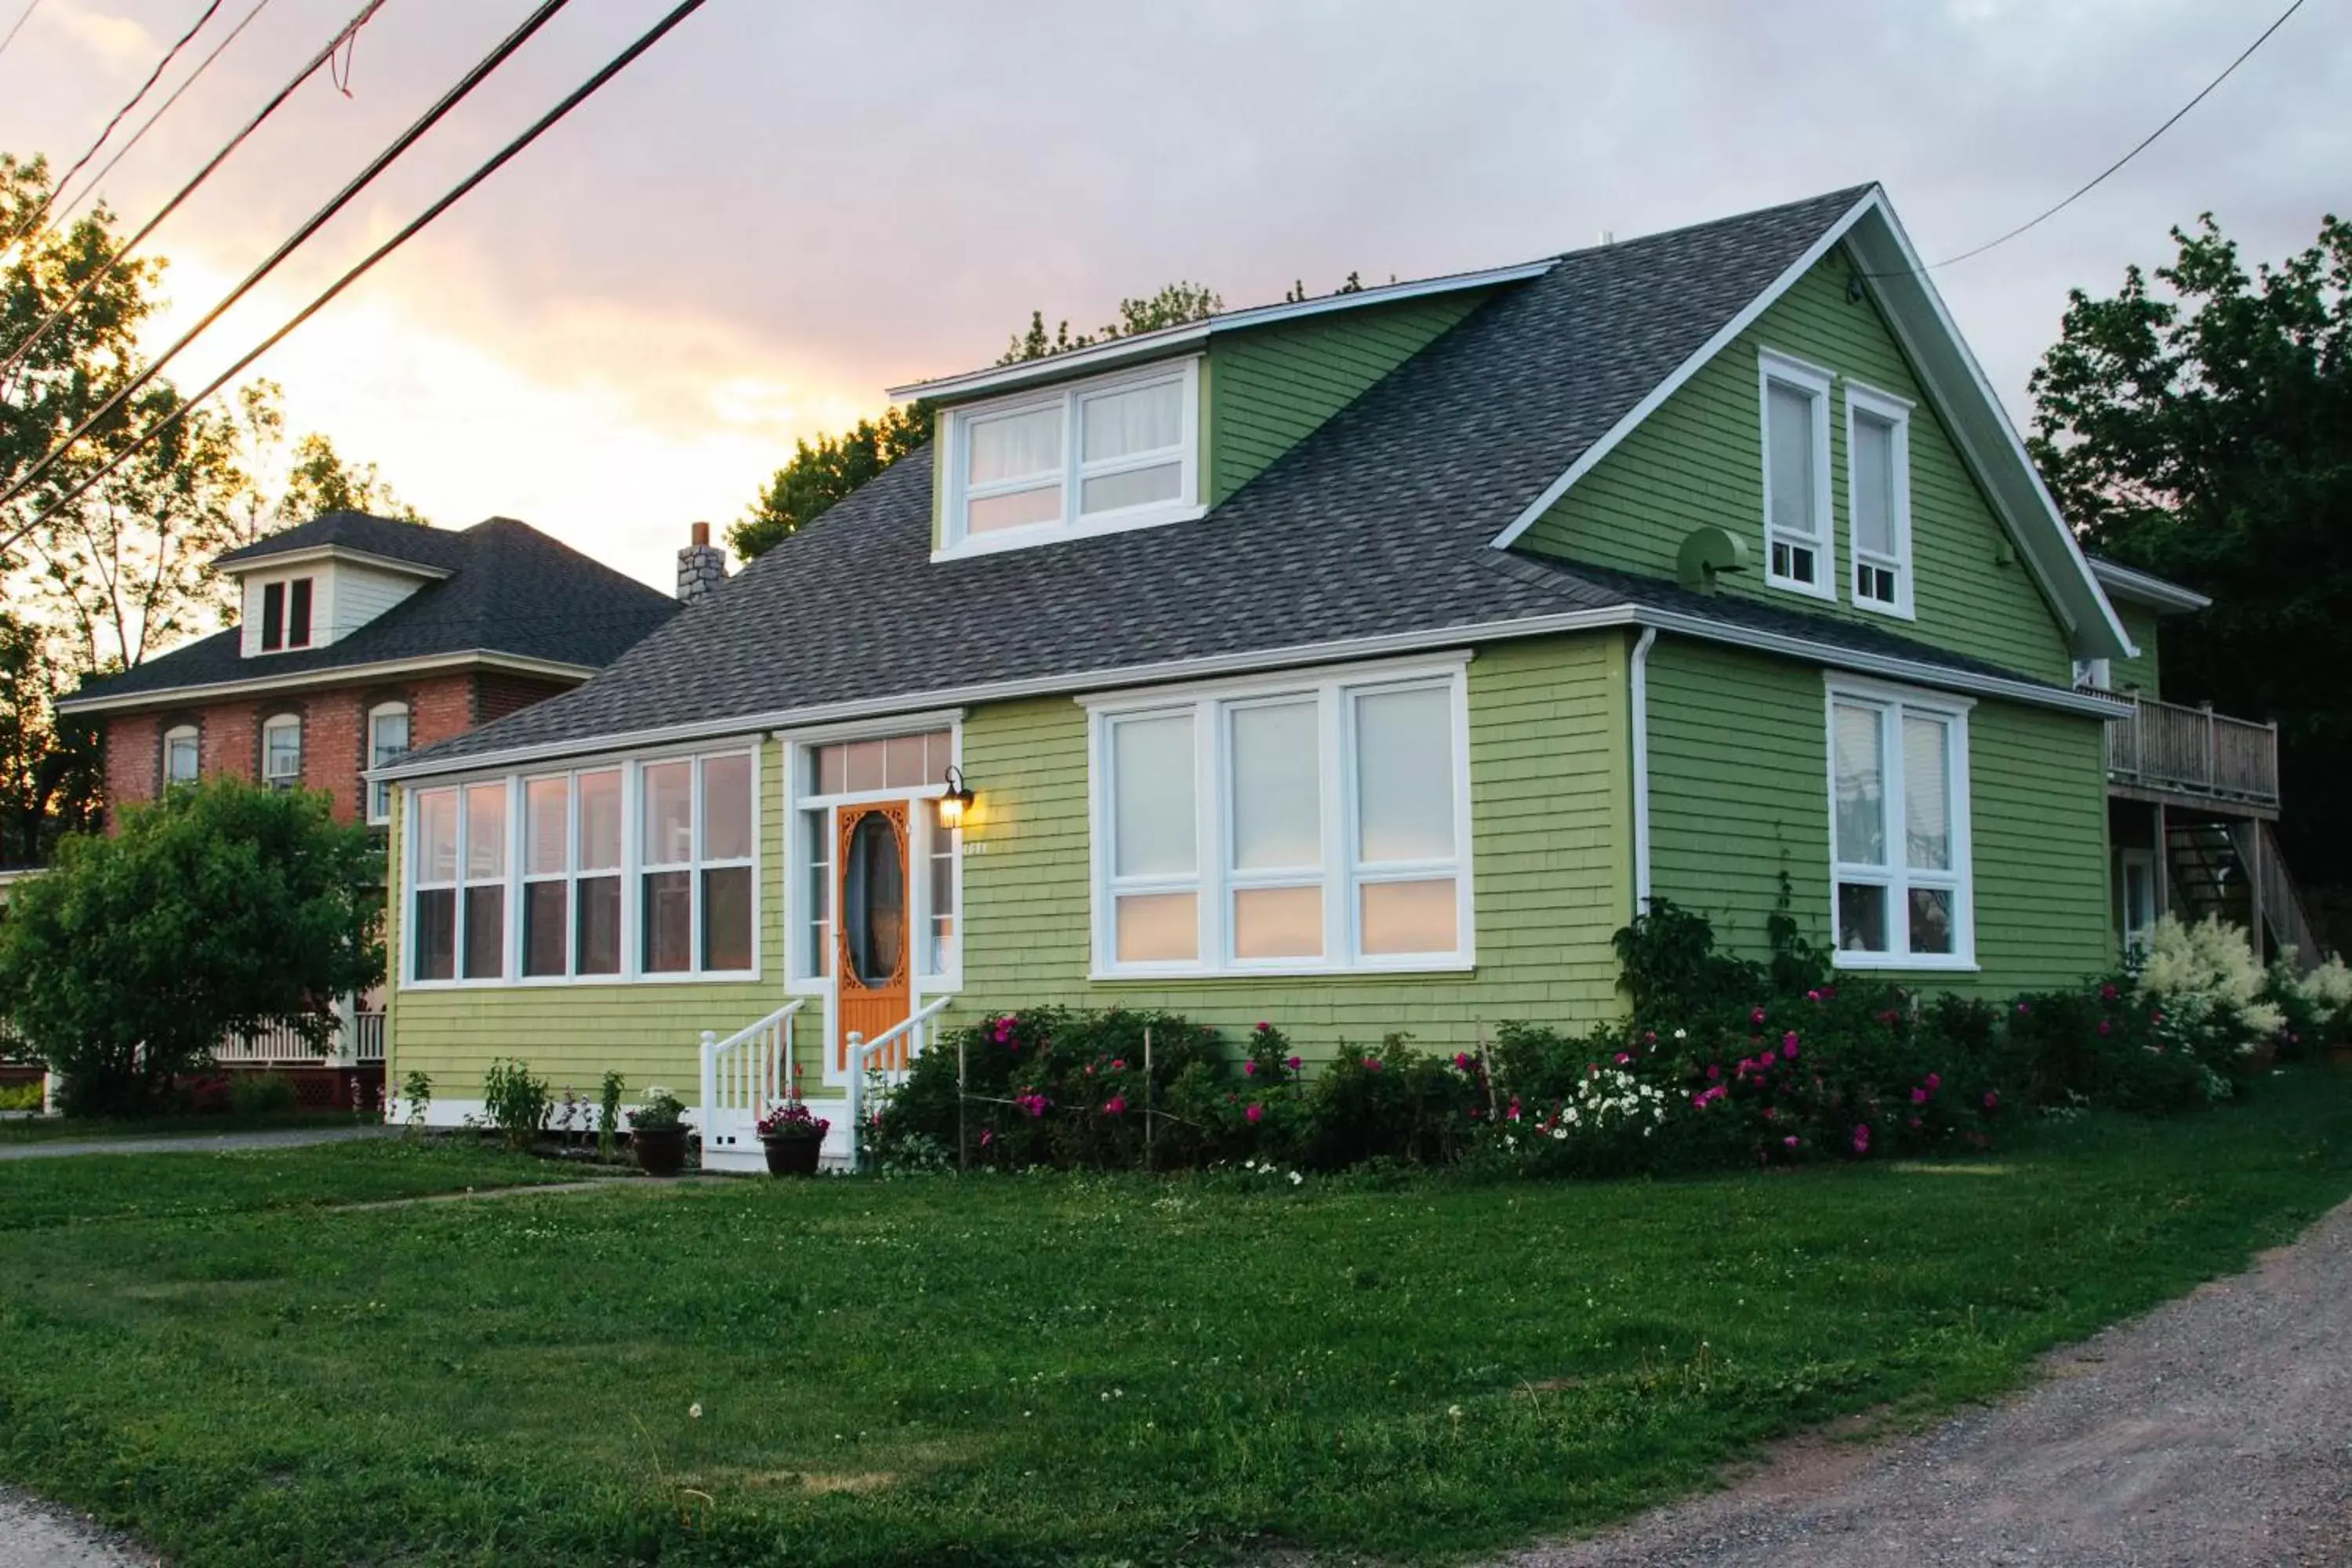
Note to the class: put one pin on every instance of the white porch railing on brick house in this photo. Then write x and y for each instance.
(358, 1041)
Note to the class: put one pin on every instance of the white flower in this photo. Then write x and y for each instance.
(1295, 1178)
(694, 1411)
(1682, 1034)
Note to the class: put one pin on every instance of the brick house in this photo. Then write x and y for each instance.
(362, 638)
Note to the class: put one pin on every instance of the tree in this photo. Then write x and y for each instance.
(824, 472)
(2202, 429)
(50, 770)
(315, 477)
(222, 908)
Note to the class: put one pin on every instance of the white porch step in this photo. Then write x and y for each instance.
(728, 1143)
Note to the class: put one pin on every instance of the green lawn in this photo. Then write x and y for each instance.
(1018, 1370)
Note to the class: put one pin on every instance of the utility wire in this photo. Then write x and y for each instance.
(22, 17)
(160, 109)
(123, 252)
(16, 355)
(41, 215)
(310, 226)
(2145, 142)
(538, 127)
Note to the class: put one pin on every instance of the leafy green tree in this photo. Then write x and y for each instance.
(2200, 426)
(221, 908)
(285, 487)
(50, 773)
(828, 468)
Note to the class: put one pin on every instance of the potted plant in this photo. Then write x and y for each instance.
(657, 1133)
(791, 1136)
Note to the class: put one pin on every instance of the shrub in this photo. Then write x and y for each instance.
(20, 1096)
(260, 1094)
(2327, 992)
(2203, 980)
(1390, 1104)
(515, 1103)
(2108, 1047)
(661, 1110)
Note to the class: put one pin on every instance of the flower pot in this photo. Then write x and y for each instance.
(792, 1156)
(661, 1151)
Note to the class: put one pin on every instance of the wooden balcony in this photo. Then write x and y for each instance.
(2193, 755)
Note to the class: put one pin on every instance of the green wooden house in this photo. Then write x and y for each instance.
(1361, 663)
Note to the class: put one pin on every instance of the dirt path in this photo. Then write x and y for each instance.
(2216, 1432)
(33, 1534)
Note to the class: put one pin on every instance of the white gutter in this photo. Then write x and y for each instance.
(274, 560)
(1640, 684)
(1432, 638)
(335, 675)
(2146, 587)
(1144, 345)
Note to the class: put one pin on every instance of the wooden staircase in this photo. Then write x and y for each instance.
(2233, 869)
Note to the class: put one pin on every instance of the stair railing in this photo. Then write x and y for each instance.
(748, 1069)
(859, 1048)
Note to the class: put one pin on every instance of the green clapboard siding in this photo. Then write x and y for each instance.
(1739, 792)
(1274, 385)
(1550, 804)
(1698, 461)
(650, 1032)
(2142, 672)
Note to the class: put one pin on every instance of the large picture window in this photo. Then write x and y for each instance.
(1111, 452)
(548, 901)
(1899, 830)
(1301, 827)
(1798, 551)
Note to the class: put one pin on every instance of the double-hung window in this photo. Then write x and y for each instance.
(286, 614)
(482, 935)
(181, 755)
(1309, 826)
(1109, 453)
(694, 910)
(387, 741)
(1899, 829)
(281, 752)
(1878, 486)
(432, 917)
(1797, 550)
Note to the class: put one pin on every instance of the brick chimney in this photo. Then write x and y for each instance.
(701, 567)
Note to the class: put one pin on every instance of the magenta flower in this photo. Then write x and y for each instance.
(1290, 1062)
(1935, 1080)
(2106, 1027)
(1756, 1016)
(1813, 995)
(987, 1136)
(1119, 1064)
(1462, 1061)
(1372, 1063)
(1713, 1070)
(1263, 1028)
(1789, 1142)
(2021, 1008)
(1623, 1058)
(1249, 1069)
(1115, 1105)
(1992, 1099)
(1788, 1047)
(2106, 993)
(1255, 1113)
(1918, 1097)
(1862, 1138)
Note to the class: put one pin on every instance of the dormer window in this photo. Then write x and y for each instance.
(286, 614)
(1095, 456)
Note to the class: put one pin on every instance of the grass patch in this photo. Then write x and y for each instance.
(1033, 1369)
(76, 1129)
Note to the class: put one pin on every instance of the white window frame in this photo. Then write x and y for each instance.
(1774, 368)
(803, 801)
(1339, 874)
(506, 880)
(173, 738)
(630, 871)
(955, 540)
(277, 724)
(1892, 704)
(379, 811)
(2135, 933)
(1869, 403)
(413, 883)
(2094, 674)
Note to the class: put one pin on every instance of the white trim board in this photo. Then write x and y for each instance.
(337, 675)
(1955, 385)
(887, 710)
(1145, 345)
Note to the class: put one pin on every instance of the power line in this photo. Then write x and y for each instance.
(538, 127)
(160, 109)
(22, 17)
(2145, 142)
(16, 355)
(41, 215)
(310, 225)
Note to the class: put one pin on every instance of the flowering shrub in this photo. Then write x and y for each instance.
(2204, 981)
(1392, 1103)
(2318, 1006)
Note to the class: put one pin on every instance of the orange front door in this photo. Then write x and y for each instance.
(875, 941)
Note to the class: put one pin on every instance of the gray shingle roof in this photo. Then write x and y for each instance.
(389, 537)
(1378, 523)
(511, 590)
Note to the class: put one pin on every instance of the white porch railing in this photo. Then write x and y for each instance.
(359, 1038)
(913, 1031)
(741, 1075)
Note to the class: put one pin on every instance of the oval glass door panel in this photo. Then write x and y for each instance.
(874, 901)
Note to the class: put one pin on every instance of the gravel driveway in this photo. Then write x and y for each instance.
(33, 1534)
(2216, 1432)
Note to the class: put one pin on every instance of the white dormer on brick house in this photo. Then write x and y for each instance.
(314, 597)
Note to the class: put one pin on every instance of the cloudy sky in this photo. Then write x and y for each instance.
(787, 207)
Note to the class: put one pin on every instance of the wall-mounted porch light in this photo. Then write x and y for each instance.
(956, 801)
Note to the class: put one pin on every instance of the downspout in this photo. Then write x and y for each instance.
(1640, 684)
